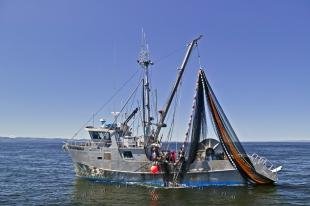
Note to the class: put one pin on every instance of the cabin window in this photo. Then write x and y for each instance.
(107, 155)
(100, 135)
(104, 135)
(127, 155)
(94, 135)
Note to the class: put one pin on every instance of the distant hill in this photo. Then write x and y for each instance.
(34, 138)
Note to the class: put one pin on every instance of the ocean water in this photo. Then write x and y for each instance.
(39, 172)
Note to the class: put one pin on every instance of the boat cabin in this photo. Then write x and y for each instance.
(116, 136)
(102, 135)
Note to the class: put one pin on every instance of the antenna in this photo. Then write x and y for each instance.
(144, 55)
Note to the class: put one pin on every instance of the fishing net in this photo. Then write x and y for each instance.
(233, 139)
(198, 126)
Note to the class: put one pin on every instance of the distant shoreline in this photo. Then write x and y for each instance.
(64, 139)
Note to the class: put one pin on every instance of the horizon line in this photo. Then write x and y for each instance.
(63, 138)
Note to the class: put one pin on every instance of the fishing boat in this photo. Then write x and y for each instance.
(115, 153)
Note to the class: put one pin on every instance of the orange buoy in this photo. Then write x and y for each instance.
(154, 169)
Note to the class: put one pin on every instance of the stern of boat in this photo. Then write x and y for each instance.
(264, 167)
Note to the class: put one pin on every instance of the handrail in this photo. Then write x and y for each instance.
(256, 159)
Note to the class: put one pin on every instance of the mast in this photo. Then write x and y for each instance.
(145, 61)
(163, 113)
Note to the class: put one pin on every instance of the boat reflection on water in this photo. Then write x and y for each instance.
(94, 193)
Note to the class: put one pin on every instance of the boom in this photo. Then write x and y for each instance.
(163, 113)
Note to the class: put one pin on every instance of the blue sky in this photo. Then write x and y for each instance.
(61, 60)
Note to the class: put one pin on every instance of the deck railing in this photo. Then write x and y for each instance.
(256, 159)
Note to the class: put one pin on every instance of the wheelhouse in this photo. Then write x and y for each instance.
(100, 135)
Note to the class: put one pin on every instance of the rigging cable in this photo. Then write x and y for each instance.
(129, 98)
(140, 117)
(176, 104)
(199, 59)
(169, 54)
(134, 97)
(105, 104)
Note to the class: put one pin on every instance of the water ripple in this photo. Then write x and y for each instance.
(38, 172)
